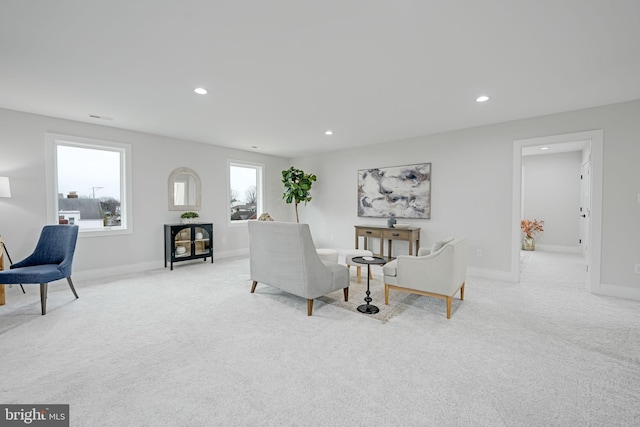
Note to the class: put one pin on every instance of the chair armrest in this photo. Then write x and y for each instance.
(27, 262)
(65, 266)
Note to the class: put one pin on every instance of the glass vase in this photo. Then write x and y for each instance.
(528, 243)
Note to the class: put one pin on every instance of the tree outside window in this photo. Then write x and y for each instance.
(245, 191)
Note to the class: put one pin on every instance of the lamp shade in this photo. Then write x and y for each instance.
(5, 187)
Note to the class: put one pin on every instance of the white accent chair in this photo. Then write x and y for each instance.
(353, 253)
(282, 255)
(326, 254)
(437, 272)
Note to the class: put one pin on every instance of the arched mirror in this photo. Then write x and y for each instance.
(184, 190)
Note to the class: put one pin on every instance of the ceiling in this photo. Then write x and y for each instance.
(281, 72)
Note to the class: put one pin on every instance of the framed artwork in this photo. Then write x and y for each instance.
(404, 191)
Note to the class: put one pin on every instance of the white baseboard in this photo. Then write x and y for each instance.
(121, 270)
(616, 291)
(231, 254)
(503, 276)
(559, 248)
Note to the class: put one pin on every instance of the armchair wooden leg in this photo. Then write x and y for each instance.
(71, 286)
(449, 299)
(346, 294)
(370, 274)
(462, 292)
(43, 297)
(359, 270)
(309, 307)
(253, 286)
(386, 294)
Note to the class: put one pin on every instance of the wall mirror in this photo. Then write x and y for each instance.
(184, 190)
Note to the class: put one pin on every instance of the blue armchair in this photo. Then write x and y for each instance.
(51, 260)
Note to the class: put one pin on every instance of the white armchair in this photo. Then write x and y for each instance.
(438, 272)
(282, 255)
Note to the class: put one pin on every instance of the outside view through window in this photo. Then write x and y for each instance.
(243, 192)
(89, 187)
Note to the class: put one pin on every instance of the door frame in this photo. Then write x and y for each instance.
(585, 209)
(595, 223)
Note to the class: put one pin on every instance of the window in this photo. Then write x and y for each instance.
(89, 184)
(245, 191)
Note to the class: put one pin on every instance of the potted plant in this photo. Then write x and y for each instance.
(297, 187)
(189, 217)
(529, 228)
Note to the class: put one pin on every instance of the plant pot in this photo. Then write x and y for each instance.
(528, 244)
(189, 220)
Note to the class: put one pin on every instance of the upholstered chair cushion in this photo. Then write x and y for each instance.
(51, 260)
(390, 270)
(440, 274)
(440, 244)
(424, 251)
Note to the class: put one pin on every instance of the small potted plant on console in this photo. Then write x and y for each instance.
(189, 217)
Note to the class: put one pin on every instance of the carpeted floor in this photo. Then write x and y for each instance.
(193, 347)
(358, 291)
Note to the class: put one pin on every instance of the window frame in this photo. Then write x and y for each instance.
(259, 167)
(52, 141)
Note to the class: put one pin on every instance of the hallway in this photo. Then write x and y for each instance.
(553, 268)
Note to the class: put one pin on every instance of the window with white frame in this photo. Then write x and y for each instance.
(245, 191)
(90, 184)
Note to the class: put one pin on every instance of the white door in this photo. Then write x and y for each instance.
(585, 207)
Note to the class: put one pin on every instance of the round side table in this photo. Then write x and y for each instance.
(368, 260)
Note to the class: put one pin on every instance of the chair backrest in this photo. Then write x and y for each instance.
(283, 255)
(460, 260)
(441, 272)
(56, 245)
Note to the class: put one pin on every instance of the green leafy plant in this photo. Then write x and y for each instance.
(189, 215)
(297, 187)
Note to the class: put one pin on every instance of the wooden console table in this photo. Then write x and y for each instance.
(411, 235)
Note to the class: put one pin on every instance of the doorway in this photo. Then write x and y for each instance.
(591, 224)
(552, 191)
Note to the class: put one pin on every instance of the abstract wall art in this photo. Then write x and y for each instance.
(404, 191)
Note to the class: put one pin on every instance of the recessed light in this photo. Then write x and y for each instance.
(544, 148)
(329, 132)
(100, 117)
(200, 91)
(482, 98)
(255, 147)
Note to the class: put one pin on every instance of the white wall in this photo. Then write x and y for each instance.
(472, 188)
(22, 158)
(551, 192)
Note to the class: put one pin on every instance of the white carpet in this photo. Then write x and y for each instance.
(193, 347)
(398, 301)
